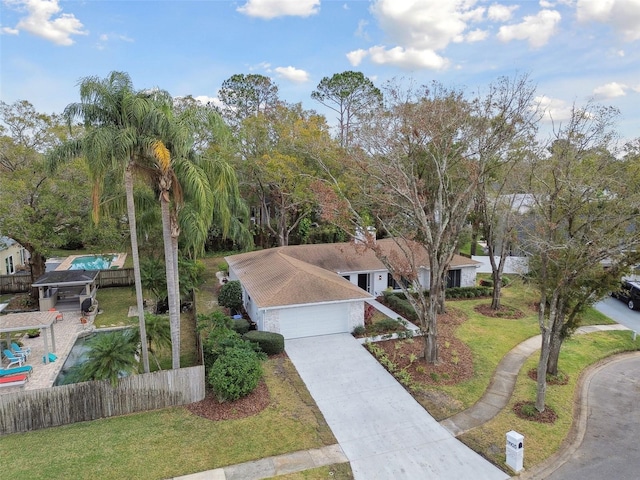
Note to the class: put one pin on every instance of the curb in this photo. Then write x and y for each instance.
(579, 426)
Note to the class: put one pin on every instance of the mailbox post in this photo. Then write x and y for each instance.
(515, 450)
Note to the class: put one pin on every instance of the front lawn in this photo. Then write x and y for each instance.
(171, 442)
(543, 439)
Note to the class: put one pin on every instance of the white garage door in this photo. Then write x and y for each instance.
(314, 320)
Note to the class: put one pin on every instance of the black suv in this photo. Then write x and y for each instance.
(629, 293)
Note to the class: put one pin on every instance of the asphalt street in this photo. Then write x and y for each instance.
(610, 448)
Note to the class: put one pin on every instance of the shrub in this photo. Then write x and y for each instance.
(358, 331)
(386, 325)
(269, 342)
(235, 374)
(240, 326)
(230, 295)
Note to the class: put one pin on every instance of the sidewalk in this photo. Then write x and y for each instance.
(273, 466)
(499, 392)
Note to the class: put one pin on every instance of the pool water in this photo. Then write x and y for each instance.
(92, 262)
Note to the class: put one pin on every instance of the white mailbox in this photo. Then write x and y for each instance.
(515, 450)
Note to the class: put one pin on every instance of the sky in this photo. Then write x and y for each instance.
(574, 51)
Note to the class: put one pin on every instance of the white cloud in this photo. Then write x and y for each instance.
(361, 30)
(268, 9)
(45, 20)
(418, 29)
(10, 31)
(610, 90)
(554, 109)
(424, 25)
(207, 100)
(110, 37)
(292, 74)
(408, 58)
(355, 57)
(622, 15)
(536, 29)
(500, 13)
(477, 35)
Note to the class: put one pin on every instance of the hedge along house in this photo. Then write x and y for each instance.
(320, 289)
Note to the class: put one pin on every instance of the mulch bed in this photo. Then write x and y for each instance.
(247, 406)
(560, 379)
(456, 360)
(505, 311)
(548, 416)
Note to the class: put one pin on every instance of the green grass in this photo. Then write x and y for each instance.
(542, 440)
(170, 442)
(114, 304)
(339, 471)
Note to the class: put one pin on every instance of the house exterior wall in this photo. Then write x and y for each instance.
(12, 259)
(356, 315)
(468, 276)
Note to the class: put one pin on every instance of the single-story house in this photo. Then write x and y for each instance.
(319, 289)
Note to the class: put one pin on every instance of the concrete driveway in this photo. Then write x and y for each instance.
(383, 431)
(610, 447)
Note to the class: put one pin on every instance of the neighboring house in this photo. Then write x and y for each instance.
(13, 256)
(306, 290)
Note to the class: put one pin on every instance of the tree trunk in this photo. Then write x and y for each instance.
(131, 214)
(474, 241)
(555, 343)
(497, 289)
(541, 391)
(174, 316)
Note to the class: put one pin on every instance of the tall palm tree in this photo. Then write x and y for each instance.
(121, 128)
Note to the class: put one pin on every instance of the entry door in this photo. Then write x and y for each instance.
(364, 281)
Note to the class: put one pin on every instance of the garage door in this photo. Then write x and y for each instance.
(314, 320)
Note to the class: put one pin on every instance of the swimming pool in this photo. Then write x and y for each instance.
(92, 262)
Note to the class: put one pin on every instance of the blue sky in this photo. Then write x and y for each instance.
(573, 50)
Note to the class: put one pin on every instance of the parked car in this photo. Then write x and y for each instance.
(629, 293)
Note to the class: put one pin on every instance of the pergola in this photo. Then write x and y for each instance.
(16, 322)
(65, 285)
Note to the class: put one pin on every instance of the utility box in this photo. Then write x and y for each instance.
(515, 450)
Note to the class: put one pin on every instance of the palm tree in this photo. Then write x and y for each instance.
(158, 333)
(120, 133)
(109, 356)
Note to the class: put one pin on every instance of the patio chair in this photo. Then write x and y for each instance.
(13, 359)
(7, 372)
(20, 351)
(13, 380)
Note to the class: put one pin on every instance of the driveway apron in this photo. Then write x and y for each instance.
(382, 430)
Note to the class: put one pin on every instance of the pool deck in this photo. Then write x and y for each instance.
(118, 261)
(43, 375)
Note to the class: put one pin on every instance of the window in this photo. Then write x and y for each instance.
(393, 285)
(453, 278)
(9, 265)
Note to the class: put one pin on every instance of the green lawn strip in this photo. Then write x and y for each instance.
(169, 442)
(542, 440)
(339, 471)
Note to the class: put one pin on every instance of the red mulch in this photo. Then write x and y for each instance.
(505, 311)
(548, 416)
(247, 406)
(560, 379)
(456, 360)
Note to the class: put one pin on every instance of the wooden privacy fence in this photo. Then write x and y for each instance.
(120, 277)
(50, 407)
(16, 283)
(21, 283)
